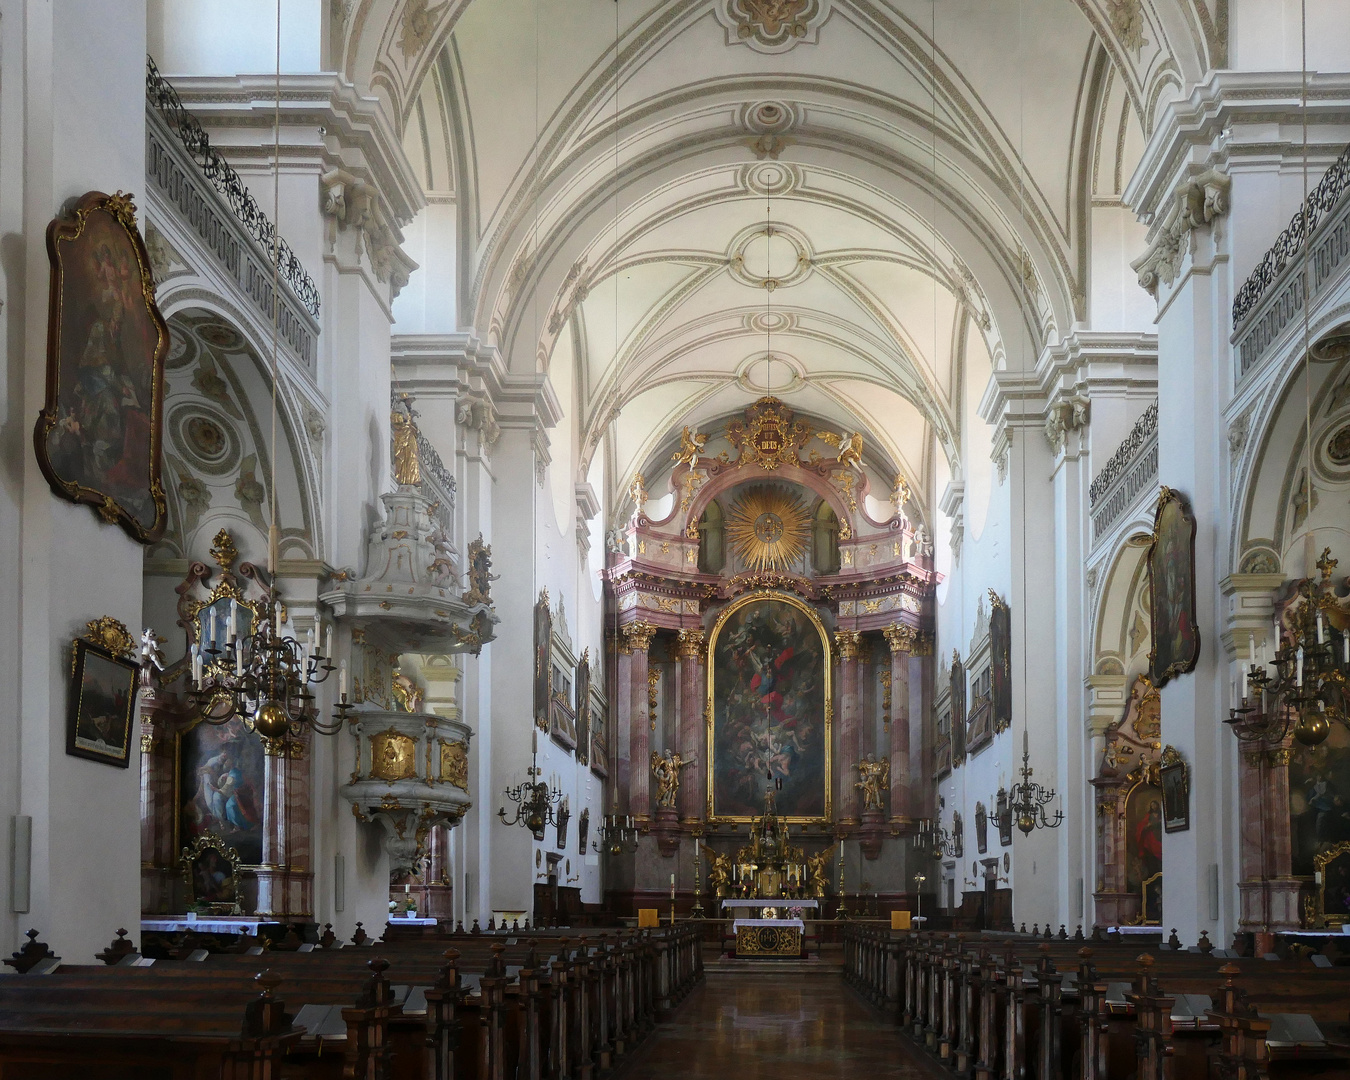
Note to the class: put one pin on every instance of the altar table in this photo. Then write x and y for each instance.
(769, 937)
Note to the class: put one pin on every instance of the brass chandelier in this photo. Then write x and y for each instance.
(534, 800)
(1304, 687)
(262, 676)
(1028, 800)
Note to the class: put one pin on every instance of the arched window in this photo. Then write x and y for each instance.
(711, 550)
(825, 540)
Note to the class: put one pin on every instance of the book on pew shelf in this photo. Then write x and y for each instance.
(197, 956)
(1115, 996)
(510, 941)
(254, 950)
(472, 982)
(398, 993)
(306, 947)
(321, 1022)
(1321, 961)
(1188, 1010)
(1271, 956)
(45, 967)
(129, 960)
(146, 961)
(1293, 1029)
(416, 1005)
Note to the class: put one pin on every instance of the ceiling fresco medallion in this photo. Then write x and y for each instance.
(772, 26)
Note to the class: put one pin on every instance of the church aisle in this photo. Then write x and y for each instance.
(756, 1026)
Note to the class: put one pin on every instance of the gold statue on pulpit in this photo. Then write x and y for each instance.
(719, 873)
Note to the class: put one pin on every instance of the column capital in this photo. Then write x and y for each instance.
(849, 644)
(690, 643)
(900, 637)
(638, 636)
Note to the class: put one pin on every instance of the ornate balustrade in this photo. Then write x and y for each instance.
(193, 179)
(1272, 297)
(1131, 469)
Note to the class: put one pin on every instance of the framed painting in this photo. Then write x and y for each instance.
(211, 873)
(543, 661)
(1332, 880)
(562, 722)
(981, 828)
(1003, 818)
(599, 747)
(959, 718)
(769, 710)
(1176, 800)
(583, 706)
(1000, 662)
(1171, 582)
(97, 438)
(221, 772)
(1319, 792)
(102, 697)
(1143, 837)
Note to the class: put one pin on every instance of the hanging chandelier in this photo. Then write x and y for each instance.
(1028, 800)
(262, 676)
(534, 800)
(1305, 687)
(933, 840)
(618, 835)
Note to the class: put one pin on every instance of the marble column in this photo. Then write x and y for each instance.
(901, 640)
(639, 636)
(621, 725)
(848, 643)
(690, 743)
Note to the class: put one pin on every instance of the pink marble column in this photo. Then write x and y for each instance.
(901, 640)
(159, 859)
(621, 726)
(691, 742)
(848, 643)
(639, 770)
(285, 879)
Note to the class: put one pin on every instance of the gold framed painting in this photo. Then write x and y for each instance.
(102, 702)
(97, 438)
(1171, 582)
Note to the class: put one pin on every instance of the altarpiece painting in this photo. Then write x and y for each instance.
(98, 435)
(1000, 662)
(1319, 798)
(220, 788)
(769, 716)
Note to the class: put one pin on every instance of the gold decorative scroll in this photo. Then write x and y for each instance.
(393, 756)
(768, 528)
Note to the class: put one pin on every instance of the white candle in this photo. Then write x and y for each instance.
(234, 618)
(1244, 684)
(342, 680)
(1321, 636)
(1251, 648)
(329, 652)
(1298, 678)
(278, 625)
(1345, 645)
(238, 661)
(197, 665)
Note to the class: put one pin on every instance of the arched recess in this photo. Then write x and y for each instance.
(218, 446)
(1121, 635)
(1280, 517)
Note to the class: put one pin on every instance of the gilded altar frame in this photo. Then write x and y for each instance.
(1318, 916)
(758, 596)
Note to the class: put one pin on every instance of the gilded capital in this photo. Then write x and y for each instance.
(923, 644)
(639, 636)
(690, 644)
(849, 644)
(900, 638)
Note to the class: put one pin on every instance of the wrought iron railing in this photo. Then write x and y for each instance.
(1290, 243)
(1133, 467)
(223, 177)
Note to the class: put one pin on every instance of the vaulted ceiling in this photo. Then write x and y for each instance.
(886, 198)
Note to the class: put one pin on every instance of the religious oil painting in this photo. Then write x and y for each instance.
(1000, 662)
(1171, 575)
(769, 717)
(1335, 887)
(102, 705)
(220, 788)
(543, 661)
(98, 435)
(1319, 798)
(1143, 839)
(1176, 792)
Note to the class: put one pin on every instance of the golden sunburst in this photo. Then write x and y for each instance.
(768, 528)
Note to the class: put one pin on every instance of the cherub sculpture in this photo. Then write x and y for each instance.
(719, 873)
(666, 768)
(691, 446)
(818, 872)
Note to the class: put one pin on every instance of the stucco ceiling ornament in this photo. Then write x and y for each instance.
(769, 436)
(419, 22)
(1127, 20)
(768, 527)
(772, 26)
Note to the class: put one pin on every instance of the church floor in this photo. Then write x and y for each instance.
(753, 1026)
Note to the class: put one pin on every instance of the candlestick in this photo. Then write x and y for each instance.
(1321, 635)
(342, 680)
(1298, 678)
(328, 651)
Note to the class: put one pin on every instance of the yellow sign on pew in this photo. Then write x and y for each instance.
(899, 920)
(648, 916)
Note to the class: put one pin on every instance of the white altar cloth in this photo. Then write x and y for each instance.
(780, 902)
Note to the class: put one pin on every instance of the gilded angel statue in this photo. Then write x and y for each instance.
(407, 465)
(849, 445)
(818, 872)
(872, 777)
(691, 446)
(666, 768)
(719, 873)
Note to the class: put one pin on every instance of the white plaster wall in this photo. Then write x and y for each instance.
(224, 37)
(427, 303)
(71, 120)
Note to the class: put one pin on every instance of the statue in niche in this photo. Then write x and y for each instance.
(666, 768)
(407, 694)
(407, 466)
